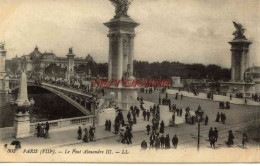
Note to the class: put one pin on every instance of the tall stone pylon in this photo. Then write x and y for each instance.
(2, 58)
(70, 64)
(22, 118)
(3, 81)
(23, 94)
(239, 84)
(121, 54)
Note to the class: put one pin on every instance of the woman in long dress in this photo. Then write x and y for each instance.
(86, 136)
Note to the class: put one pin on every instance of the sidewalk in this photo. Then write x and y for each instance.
(216, 97)
(68, 136)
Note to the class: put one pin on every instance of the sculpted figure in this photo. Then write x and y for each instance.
(121, 6)
(239, 33)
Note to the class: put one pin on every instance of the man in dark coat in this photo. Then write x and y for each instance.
(218, 116)
(206, 120)
(38, 129)
(215, 134)
(109, 125)
(79, 133)
(144, 114)
(144, 145)
(175, 141)
(162, 127)
(148, 128)
(210, 133)
(148, 114)
(162, 141)
(167, 142)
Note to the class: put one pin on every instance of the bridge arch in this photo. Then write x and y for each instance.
(62, 94)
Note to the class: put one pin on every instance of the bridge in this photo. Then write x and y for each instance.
(78, 99)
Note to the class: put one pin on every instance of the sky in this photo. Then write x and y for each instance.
(188, 31)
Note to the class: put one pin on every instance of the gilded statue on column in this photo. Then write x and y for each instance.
(121, 6)
(239, 33)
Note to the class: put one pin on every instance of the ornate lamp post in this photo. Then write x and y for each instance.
(199, 119)
(93, 108)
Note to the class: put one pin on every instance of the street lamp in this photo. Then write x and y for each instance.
(199, 133)
(93, 107)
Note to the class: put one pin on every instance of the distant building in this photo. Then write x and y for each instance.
(38, 61)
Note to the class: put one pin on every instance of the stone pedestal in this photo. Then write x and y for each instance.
(176, 82)
(22, 125)
(124, 97)
(240, 88)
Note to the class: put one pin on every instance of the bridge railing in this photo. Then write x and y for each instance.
(61, 123)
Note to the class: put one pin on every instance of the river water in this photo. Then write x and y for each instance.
(48, 106)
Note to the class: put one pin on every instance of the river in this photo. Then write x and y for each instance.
(48, 106)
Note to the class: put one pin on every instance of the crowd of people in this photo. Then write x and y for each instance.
(221, 117)
(256, 97)
(42, 130)
(89, 135)
(224, 105)
(160, 142)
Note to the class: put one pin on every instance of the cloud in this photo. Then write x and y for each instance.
(190, 31)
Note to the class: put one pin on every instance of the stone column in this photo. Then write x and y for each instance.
(120, 57)
(110, 57)
(233, 67)
(242, 67)
(131, 53)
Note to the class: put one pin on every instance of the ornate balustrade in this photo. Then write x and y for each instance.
(61, 123)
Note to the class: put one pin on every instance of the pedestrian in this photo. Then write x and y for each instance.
(181, 96)
(86, 136)
(230, 96)
(162, 141)
(212, 142)
(106, 125)
(175, 141)
(167, 142)
(181, 112)
(230, 138)
(130, 136)
(137, 111)
(224, 118)
(215, 134)
(218, 116)
(38, 129)
(144, 145)
(47, 127)
(210, 133)
(162, 127)
(157, 143)
(244, 140)
(109, 125)
(152, 139)
(148, 128)
(144, 114)
(245, 101)
(148, 114)
(128, 116)
(79, 133)
(206, 120)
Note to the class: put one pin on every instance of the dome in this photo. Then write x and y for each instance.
(35, 55)
(89, 58)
